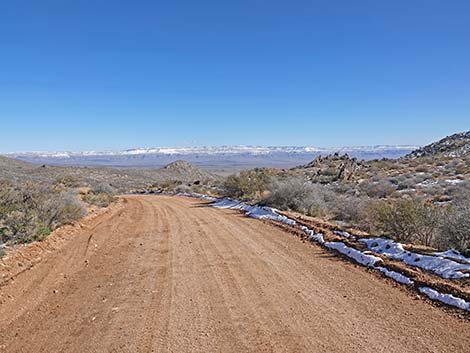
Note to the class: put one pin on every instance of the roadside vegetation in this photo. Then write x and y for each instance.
(101, 195)
(423, 198)
(30, 211)
(368, 206)
(423, 201)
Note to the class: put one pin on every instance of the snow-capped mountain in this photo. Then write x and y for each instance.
(241, 149)
(213, 156)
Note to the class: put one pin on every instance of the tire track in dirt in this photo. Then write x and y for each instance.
(250, 295)
(166, 274)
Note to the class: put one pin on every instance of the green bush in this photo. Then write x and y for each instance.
(408, 220)
(247, 185)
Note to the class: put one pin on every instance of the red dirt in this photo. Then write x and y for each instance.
(165, 274)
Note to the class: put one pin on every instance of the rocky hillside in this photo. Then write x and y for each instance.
(329, 168)
(185, 171)
(457, 145)
(435, 172)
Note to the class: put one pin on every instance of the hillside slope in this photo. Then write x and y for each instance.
(456, 145)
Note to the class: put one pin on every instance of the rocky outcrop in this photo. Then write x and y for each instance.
(457, 145)
(333, 167)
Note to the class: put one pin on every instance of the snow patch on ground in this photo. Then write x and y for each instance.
(448, 299)
(358, 256)
(454, 255)
(395, 276)
(312, 236)
(197, 196)
(345, 234)
(253, 211)
(439, 265)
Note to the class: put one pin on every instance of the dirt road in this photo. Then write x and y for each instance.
(164, 274)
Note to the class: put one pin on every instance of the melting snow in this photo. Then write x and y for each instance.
(454, 255)
(359, 256)
(253, 211)
(312, 236)
(445, 298)
(345, 234)
(395, 275)
(439, 265)
(197, 196)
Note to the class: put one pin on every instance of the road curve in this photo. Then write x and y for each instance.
(167, 274)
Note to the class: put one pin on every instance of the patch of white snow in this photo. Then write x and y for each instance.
(445, 298)
(358, 256)
(439, 265)
(396, 276)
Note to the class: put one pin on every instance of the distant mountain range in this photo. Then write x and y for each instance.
(217, 158)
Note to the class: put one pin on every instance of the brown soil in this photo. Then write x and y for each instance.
(163, 274)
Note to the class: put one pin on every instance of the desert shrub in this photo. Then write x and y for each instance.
(350, 209)
(455, 230)
(423, 169)
(410, 220)
(30, 212)
(298, 195)
(345, 188)
(169, 185)
(459, 192)
(59, 209)
(100, 199)
(330, 171)
(68, 181)
(101, 195)
(103, 188)
(379, 189)
(247, 185)
(183, 189)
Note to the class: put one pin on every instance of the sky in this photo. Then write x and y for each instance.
(108, 74)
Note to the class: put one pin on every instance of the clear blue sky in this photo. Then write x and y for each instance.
(79, 75)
